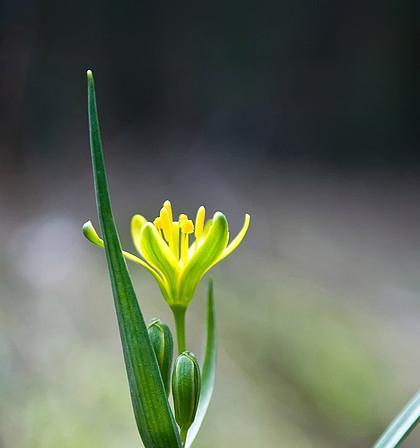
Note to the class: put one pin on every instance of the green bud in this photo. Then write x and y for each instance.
(161, 338)
(186, 385)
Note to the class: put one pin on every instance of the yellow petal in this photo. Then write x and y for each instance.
(90, 233)
(237, 240)
(157, 253)
(137, 223)
(199, 222)
(213, 243)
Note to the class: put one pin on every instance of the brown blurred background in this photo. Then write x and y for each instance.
(304, 114)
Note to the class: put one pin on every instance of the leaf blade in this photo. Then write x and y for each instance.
(153, 415)
(208, 373)
(402, 425)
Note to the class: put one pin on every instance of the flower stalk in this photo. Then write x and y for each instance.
(179, 317)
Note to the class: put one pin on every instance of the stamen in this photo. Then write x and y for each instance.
(199, 222)
(184, 247)
(158, 223)
(168, 206)
(175, 235)
(166, 226)
(187, 226)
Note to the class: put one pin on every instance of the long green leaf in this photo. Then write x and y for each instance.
(401, 426)
(208, 373)
(153, 415)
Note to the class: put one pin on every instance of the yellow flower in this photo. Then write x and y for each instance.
(166, 252)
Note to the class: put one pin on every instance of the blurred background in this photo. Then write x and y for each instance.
(304, 114)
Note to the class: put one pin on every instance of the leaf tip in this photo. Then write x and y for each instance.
(90, 80)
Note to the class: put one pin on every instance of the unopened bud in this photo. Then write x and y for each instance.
(161, 338)
(186, 385)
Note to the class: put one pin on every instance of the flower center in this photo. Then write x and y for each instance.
(176, 233)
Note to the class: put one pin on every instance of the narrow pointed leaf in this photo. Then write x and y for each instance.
(153, 415)
(402, 425)
(208, 372)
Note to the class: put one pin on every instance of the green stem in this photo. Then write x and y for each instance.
(179, 315)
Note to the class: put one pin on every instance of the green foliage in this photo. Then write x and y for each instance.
(401, 427)
(208, 372)
(151, 408)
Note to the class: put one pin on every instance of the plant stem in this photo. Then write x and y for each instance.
(179, 315)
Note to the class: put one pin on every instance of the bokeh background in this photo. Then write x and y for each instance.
(304, 114)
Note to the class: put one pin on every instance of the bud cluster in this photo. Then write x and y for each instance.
(186, 377)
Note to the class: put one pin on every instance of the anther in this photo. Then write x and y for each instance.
(187, 226)
(168, 206)
(166, 224)
(158, 223)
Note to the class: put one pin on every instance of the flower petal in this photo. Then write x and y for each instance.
(208, 251)
(157, 253)
(90, 233)
(237, 240)
(197, 243)
(137, 223)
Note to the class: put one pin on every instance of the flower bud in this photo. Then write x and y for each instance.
(186, 385)
(161, 338)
